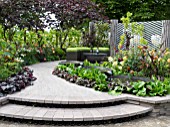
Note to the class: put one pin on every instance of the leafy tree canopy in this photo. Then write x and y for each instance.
(74, 13)
(29, 13)
(23, 13)
(143, 10)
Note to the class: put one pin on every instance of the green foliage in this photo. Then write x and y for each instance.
(19, 47)
(152, 88)
(101, 38)
(74, 38)
(143, 10)
(141, 61)
(91, 74)
(68, 37)
(8, 69)
(104, 49)
(9, 64)
(78, 49)
(131, 29)
(126, 20)
(116, 86)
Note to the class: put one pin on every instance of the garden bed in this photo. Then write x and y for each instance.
(100, 79)
(17, 82)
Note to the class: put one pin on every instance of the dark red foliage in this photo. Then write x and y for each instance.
(74, 13)
(23, 13)
(17, 82)
(120, 59)
(28, 13)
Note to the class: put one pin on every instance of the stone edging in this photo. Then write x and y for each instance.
(4, 100)
(160, 105)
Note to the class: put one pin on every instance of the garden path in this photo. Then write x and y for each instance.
(49, 87)
(54, 99)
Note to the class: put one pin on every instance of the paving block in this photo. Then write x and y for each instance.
(77, 115)
(31, 113)
(87, 116)
(58, 116)
(40, 114)
(49, 115)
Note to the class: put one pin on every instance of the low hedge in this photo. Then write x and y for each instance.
(76, 49)
(86, 49)
(104, 49)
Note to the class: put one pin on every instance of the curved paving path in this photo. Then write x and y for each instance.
(51, 88)
(77, 103)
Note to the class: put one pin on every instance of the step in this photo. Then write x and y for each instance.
(103, 99)
(69, 114)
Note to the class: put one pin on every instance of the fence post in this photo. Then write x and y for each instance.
(92, 33)
(112, 40)
(166, 34)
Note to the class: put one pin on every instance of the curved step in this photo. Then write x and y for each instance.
(68, 114)
(67, 101)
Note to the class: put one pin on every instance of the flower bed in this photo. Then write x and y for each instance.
(151, 65)
(17, 82)
(95, 78)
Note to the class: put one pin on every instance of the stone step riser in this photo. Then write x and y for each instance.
(69, 114)
(68, 101)
(77, 105)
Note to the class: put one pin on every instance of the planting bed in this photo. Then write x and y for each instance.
(17, 82)
(103, 79)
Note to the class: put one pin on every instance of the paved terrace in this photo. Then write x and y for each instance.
(50, 88)
(76, 103)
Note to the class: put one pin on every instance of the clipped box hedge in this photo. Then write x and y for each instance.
(76, 49)
(102, 49)
(77, 52)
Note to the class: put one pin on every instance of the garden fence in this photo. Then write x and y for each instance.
(155, 32)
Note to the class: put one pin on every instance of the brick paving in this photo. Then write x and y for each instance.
(52, 89)
(68, 114)
(49, 89)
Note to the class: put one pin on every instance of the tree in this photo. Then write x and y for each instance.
(143, 10)
(31, 13)
(23, 13)
(72, 13)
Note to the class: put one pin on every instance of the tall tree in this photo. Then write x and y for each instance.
(31, 13)
(143, 10)
(72, 13)
(23, 13)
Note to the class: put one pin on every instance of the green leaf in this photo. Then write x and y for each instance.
(135, 91)
(129, 89)
(141, 84)
(113, 92)
(149, 87)
(142, 92)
